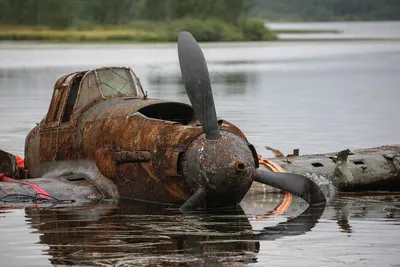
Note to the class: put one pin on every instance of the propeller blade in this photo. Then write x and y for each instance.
(197, 83)
(296, 184)
(198, 199)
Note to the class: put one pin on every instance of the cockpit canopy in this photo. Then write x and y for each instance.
(106, 82)
(77, 90)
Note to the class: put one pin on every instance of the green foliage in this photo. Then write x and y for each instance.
(83, 13)
(254, 30)
(155, 10)
(131, 20)
(69, 13)
(211, 30)
(230, 11)
(38, 12)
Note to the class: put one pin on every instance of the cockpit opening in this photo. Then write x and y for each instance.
(108, 82)
(175, 112)
(73, 93)
(77, 90)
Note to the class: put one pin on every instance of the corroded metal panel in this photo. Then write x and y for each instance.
(60, 95)
(369, 168)
(32, 152)
(141, 155)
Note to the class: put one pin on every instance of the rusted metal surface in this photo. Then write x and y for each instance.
(277, 153)
(8, 165)
(101, 125)
(57, 105)
(224, 168)
(147, 149)
(136, 147)
(144, 180)
(32, 151)
(142, 155)
(132, 156)
(152, 149)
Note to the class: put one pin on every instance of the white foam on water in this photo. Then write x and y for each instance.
(326, 185)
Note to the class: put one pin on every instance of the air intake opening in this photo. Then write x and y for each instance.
(175, 112)
(180, 163)
(317, 164)
(358, 162)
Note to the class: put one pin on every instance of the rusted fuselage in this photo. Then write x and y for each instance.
(125, 143)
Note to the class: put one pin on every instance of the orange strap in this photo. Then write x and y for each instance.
(270, 164)
(287, 197)
(20, 162)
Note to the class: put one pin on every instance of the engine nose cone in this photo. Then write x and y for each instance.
(224, 168)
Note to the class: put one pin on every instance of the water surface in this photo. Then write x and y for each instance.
(316, 96)
(355, 231)
(357, 30)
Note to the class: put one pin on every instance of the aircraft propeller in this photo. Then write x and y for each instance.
(210, 181)
(197, 83)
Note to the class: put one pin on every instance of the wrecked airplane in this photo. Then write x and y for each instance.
(104, 138)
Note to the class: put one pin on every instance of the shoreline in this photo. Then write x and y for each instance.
(131, 34)
(17, 44)
(142, 33)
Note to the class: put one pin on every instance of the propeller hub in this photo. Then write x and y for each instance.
(223, 167)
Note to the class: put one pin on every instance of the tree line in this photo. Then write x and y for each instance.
(70, 13)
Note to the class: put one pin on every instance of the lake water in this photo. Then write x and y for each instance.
(315, 96)
(372, 30)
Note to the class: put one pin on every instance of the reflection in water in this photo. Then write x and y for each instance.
(341, 216)
(126, 234)
(131, 233)
(294, 226)
(233, 83)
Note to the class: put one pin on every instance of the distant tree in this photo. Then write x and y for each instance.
(38, 12)
(66, 13)
(114, 12)
(226, 10)
(155, 9)
(18, 12)
(55, 13)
